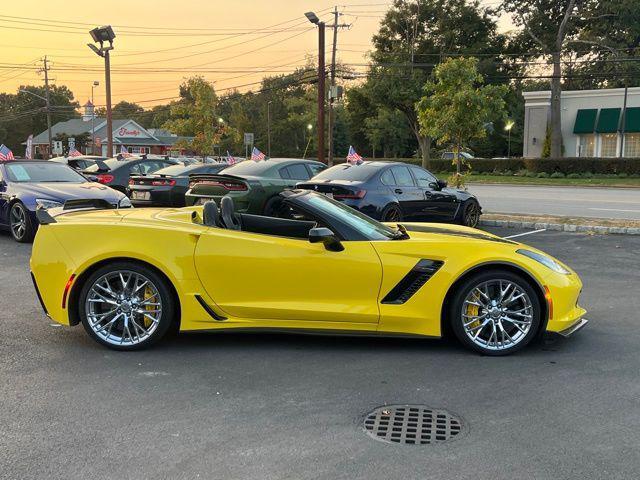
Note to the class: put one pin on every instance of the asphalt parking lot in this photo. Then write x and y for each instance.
(233, 406)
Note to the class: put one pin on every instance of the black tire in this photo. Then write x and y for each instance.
(167, 314)
(470, 213)
(456, 319)
(391, 213)
(21, 226)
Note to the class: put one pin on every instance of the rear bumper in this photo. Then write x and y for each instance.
(35, 286)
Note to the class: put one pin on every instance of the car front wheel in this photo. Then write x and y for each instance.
(125, 306)
(471, 214)
(22, 228)
(496, 312)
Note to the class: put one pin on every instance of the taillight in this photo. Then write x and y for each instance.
(163, 183)
(104, 178)
(355, 195)
(232, 186)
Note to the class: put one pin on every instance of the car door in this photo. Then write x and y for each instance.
(265, 277)
(438, 205)
(410, 197)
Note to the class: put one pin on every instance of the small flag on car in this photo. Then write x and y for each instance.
(5, 153)
(73, 152)
(231, 160)
(124, 152)
(352, 157)
(257, 155)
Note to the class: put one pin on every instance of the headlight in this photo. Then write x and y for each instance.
(544, 260)
(44, 203)
(124, 203)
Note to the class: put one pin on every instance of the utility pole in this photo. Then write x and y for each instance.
(269, 128)
(45, 69)
(332, 90)
(321, 92)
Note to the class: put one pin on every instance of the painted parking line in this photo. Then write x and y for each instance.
(615, 210)
(526, 233)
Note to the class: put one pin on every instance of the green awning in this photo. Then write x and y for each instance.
(632, 120)
(585, 120)
(609, 120)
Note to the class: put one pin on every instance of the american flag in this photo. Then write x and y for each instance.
(74, 153)
(124, 152)
(353, 157)
(5, 153)
(230, 158)
(257, 155)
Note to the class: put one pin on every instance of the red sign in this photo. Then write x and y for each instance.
(123, 132)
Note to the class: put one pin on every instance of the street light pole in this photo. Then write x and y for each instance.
(269, 128)
(102, 35)
(508, 127)
(93, 119)
(313, 18)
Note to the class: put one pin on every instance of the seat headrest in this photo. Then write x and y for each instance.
(210, 216)
(228, 214)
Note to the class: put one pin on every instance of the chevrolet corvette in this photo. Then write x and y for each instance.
(322, 267)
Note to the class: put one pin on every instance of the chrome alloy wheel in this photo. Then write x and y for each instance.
(18, 221)
(123, 308)
(497, 314)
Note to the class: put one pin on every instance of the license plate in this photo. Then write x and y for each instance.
(140, 195)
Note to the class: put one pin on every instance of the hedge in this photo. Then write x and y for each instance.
(566, 165)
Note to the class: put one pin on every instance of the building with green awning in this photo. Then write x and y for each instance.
(594, 123)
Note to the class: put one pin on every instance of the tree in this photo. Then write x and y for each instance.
(194, 115)
(456, 106)
(548, 25)
(413, 38)
(388, 131)
(25, 113)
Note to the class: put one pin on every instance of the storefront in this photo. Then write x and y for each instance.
(595, 123)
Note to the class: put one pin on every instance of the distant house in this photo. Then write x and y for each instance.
(595, 123)
(127, 133)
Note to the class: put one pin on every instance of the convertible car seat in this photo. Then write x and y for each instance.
(210, 216)
(229, 217)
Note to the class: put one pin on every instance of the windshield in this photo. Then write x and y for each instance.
(177, 170)
(367, 226)
(357, 173)
(249, 167)
(43, 172)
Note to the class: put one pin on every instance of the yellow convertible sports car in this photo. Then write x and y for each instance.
(131, 275)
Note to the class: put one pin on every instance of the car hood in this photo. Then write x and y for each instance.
(60, 192)
(416, 231)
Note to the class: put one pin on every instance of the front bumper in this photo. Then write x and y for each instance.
(579, 325)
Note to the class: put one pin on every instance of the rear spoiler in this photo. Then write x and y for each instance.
(215, 177)
(45, 218)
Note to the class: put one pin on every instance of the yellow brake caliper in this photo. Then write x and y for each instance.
(148, 295)
(472, 311)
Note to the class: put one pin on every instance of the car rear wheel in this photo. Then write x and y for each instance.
(22, 228)
(495, 312)
(126, 306)
(471, 214)
(391, 213)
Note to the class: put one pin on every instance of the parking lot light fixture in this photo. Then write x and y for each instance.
(508, 126)
(102, 35)
(312, 17)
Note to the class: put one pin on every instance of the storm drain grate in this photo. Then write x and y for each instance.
(412, 424)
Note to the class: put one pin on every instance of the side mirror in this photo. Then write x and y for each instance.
(326, 236)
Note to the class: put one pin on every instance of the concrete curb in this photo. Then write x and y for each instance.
(561, 227)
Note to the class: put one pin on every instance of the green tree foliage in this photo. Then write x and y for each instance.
(29, 113)
(414, 37)
(388, 132)
(195, 115)
(456, 106)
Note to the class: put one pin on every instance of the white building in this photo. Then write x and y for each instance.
(595, 123)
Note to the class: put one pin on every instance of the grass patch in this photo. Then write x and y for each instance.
(583, 182)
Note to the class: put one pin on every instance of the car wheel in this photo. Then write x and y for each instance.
(471, 214)
(126, 306)
(22, 228)
(495, 312)
(391, 213)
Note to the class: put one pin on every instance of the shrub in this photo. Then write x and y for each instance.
(622, 175)
(542, 175)
(521, 173)
(531, 174)
(573, 175)
(587, 175)
(557, 175)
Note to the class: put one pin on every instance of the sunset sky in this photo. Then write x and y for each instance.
(160, 42)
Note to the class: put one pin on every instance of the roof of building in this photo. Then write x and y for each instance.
(75, 126)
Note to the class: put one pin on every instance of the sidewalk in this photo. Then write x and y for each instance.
(560, 223)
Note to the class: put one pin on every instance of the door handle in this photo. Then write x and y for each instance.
(398, 190)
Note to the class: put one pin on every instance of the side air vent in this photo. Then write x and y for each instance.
(412, 282)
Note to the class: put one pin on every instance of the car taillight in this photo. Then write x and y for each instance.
(165, 183)
(104, 178)
(355, 195)
(224, 184)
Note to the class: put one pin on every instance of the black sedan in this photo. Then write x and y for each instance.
(394, 191)
(167, 186)
(116, 172)
(79, 163)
